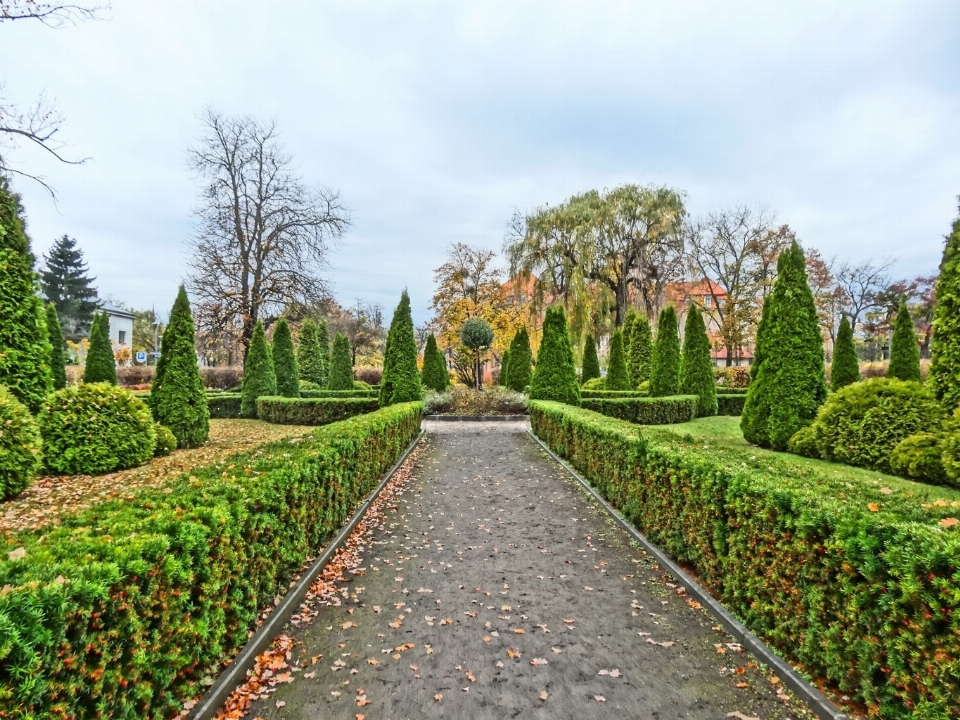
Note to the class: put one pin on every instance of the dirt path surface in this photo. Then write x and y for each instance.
(498, 590)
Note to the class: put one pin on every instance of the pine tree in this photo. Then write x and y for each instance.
(259, 375)
(285, 361)
(24, 348)
(665, 361)
(555, 377)
(323, 339)
(521, 362)
(101, 366)
(178, 399)
(904, 351)
(401, 380)
(341, 365)
(65, 282)
(310, 355)
(435, 375)
(58, 349)
(639, 350)
(591, 363)
(845, 369)
(945, 345)
(617, 378)
(696, 365)
(504, 367)
(789, 379)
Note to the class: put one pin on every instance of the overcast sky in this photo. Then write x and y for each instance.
(436, 120)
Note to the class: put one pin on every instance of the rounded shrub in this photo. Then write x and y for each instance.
(361, 385)
(597, 383)
(310, 386)
(20, 445)
(804, 443)
(166, 440)
(919, 457)
(950, 456)
(95, 428)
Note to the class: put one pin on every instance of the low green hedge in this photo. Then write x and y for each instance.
(723, 390)
(857, 583)
(224, 406)
(122, 610)
(312, 411)
(647, 411)
(731, 404)
(338, 393)
(610, 394)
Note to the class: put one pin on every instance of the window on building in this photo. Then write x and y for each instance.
(707, 300)
(122, 336)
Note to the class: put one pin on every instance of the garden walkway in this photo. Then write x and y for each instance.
(497, 589)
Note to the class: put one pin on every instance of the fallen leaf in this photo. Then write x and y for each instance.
(599, 698)
(568, 621)
(949, 522)
(666, 644)
(362, 700)
(742, 685)
(470, 676)
(543, 695)
(280, 703)
(372, 661)
(347, 625)
(486, 638)
(17, 554)
(519, 631)
(557, 650)
(538, 661)
(438, 697)
(873, 507)
(740, 716)
(886, 491)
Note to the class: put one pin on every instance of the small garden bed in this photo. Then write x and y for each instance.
(461, 400)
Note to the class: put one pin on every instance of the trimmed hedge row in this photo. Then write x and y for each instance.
(723, 390)
(731, 404)
(609, 394)
(312, 411)
(339, 393)
(224, 406)
(858, 586)
(646, 410)
(122, 610)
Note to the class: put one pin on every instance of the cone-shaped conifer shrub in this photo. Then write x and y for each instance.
(285, 361)
(696, 365)
(945, 345)
(845, 369)
(520, 371)
(310, 360)
(101, 365)
(665, 362)
(259, 376)
(341, 364)
(58, 348)
(591, 363)
(617, 365)
(555, 377)
(504, 367)
(904, 351)
(435, 375)
(638, 344)
(401, 379)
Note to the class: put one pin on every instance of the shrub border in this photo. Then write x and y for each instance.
(477, 418)
(234, 674)
(811, 696)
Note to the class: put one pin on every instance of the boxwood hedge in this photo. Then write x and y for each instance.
(647, 410)
(609, 394)
(122, 610)
(312, 411)
(224, 406)
(857, 582)
(339, 393)
(730, 403)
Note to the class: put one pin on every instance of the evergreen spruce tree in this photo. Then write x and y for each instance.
(789, 380)
(24, 348)
(665, 361)
(178, 399)
(521, 362)
(945, 345)
(401, 380)
(845, 369)
(904, 351)
(101, 366)
(310, 355)
(259, 375)
(65, 282)
(639, 350)
(591, 363)
(341, 365)
(323, 339)
(696, 365)
(504, 367)
(435, 375)
(617, 378)
(555, 377)
(285, 361)
(58, 349)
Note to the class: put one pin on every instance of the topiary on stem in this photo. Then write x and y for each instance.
(477, 335)
(665, 362)
(341, 365)
(58, 348)
(259, 376)
(945, 345)
(520, 372)
(285, 361)
(591, 363)
(696, 365)
(401, 379)
(435, 375)
(845, 369)
(101, 365)
(310, 359)
(177, 397)
(904, 351)
(555, 377)
(617, 365)
(638, 344)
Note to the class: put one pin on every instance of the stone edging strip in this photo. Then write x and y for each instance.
(235, 673)
(477, 418)
(811, 696)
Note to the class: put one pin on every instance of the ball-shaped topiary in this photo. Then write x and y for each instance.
(520, 370)
(100, 365)
(555, 377)
(591, 363)
(665, 362)
(285, 361)
(341, 364)
(259, 377)
(597, 383)
(20, 445)
(95, 428)
(617, 378)
(846, 367)
(920, 457)
(904, 351)
(166, 440)
(476, 333)
(696, 366)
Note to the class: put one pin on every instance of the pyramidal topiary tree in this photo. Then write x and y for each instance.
(435, 375)
(310, 362)
(617, 378)
(591, 363)
(285, 361)
(341, 365)
(845, 369)
(945, 345)
(259, 376)
(788, 383)
(177, 397)
(401, 379)
(504, 367)
(555, 377)
(638, 344)
(101, 366)
(323, 338)
(696, 365)
(58, 348)
(904, 351)
(665, 360)
(520, 371)
(24, 347)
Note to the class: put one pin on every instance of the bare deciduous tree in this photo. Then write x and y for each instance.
(262, 236)
(861, 285)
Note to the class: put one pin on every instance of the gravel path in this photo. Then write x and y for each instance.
(498, 590)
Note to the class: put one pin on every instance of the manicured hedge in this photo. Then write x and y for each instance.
(609, 394)
(723, 390)
(224, 406)
(730, 403)
(856, 582)
(122, 610)
(312, 411)
(339, 393)
(647, 410)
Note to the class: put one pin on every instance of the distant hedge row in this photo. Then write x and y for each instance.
(372, 393)
(857, 583)
(646, 410)
(121, 610)
(609, 394)
(312, 411)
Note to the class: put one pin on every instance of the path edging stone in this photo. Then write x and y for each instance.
(819, 703)
(477, 418)
(235, 673)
